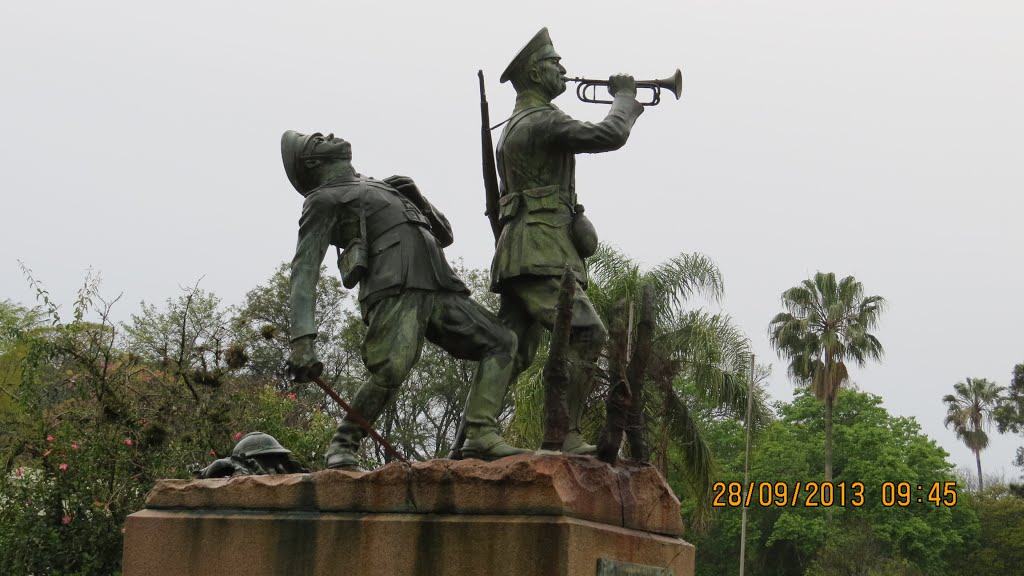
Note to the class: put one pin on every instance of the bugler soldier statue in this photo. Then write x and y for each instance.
(542, 227)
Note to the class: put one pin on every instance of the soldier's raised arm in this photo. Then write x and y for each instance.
(606, 135)
(315, 226)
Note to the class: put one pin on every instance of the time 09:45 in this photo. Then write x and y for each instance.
(905, 494)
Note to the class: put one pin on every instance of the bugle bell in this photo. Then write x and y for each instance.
(673, 84)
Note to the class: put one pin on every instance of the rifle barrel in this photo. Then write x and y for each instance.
(487, 151)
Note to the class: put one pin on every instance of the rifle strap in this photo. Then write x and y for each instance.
(513, 122)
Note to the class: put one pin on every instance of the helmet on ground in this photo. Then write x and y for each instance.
(257, 443)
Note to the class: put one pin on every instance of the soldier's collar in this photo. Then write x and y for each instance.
(353, 177)
(531, 99)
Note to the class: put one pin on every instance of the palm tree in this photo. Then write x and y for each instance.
(826, 324)
(705, 351)
(969, 413)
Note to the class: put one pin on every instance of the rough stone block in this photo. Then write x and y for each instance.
(278, 543)
(635, 497)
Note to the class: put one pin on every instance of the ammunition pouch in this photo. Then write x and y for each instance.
(353, 263)
(355, 260)
(536, 201)
(508, 207)
(543, 199)
(547, 205)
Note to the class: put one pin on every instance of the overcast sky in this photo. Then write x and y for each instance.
(881, 139)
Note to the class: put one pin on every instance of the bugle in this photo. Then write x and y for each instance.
(673, 84)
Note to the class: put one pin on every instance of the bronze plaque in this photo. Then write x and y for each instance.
(616, 568)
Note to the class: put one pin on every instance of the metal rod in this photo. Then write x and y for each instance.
(746, 469)
(358, 419)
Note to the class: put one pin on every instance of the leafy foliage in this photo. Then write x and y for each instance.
(872, 447)
(120, 405)
(262, 324)
(704, 354)
(1009, 415)
(100, 410)
(1000, 547)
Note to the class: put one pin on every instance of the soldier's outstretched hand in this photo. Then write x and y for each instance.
(622, 83)
(304, 365)
(223, 468)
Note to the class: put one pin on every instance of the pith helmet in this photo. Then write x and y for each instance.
(256, 443)
(537, 48)
(292, 146)
(295, 148)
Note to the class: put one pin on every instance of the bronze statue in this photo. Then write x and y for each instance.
(393, 240)
(541, 225)
(255, 453)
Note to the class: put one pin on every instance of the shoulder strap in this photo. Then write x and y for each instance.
(362, 219)
(362, 216)
(515, 119)
(513, 122)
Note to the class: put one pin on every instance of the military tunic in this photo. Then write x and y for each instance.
(404, 245)
(536, 166)
(409, 294)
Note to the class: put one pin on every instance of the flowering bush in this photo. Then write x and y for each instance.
(93, 412)
(99, 417)
(63, 513)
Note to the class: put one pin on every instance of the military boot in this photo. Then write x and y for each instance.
(575, 444)
(482, 407)
(370, 401)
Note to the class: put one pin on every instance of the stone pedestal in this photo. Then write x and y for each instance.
(529, 514)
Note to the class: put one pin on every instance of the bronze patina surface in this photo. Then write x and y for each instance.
(408, 293)
(543, 229)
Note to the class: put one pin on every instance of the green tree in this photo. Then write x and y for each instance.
(1009, 416)
(872, 447)
(826, 324)
(696, 358)
(262, 324)
(969, 413)
(77, 460)
(18, 326)
(857, 551)
(718, 541)
(100, 410)
(1000, 548)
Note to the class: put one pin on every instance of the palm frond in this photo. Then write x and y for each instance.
(969, 411)
(698, 466)
(686, 275)
(715, 355)
(527, 425)
(826, 322)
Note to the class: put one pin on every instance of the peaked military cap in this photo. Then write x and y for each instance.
(537, 48)
(296, 147)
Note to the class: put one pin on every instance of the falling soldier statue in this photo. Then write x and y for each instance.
(541, 227)
(393, 239)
